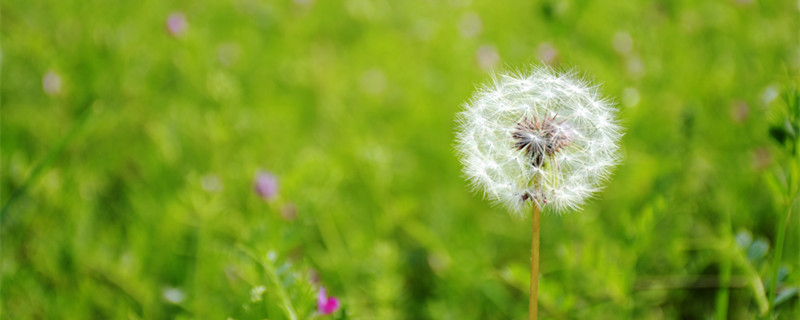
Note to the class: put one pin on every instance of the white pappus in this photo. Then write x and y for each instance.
(539, 137)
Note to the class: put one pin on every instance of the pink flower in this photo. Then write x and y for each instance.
(326, 305)
(266, 185)
(177, 24)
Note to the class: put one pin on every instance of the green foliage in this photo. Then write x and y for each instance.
(127, 175)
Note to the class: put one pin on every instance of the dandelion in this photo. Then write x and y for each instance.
(326, 305)
(541, 138)
(266, 185)
(538, 140)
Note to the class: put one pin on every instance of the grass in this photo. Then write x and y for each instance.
(133, 178)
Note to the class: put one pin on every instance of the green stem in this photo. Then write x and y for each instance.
(723, 295)
(776, 261)
(279, 289)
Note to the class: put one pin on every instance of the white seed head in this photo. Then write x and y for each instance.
(539, 137)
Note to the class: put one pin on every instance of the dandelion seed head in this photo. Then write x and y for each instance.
(540, 137)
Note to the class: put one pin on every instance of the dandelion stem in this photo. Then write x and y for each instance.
(533, 307)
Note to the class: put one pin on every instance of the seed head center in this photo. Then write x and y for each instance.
(540, 137)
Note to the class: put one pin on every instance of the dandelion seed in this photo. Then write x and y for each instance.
(326, 305)
(266, 185)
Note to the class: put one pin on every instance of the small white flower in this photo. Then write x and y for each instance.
(256, 293)
(173, 295)
(541, 136)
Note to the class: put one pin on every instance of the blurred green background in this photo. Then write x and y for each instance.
(132, 131)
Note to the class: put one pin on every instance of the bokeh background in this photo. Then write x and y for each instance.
(132, 132)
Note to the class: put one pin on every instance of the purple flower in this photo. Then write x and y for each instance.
(325, 304)
(266, 185)
(176, 24)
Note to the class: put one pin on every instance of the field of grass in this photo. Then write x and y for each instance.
(132, 132)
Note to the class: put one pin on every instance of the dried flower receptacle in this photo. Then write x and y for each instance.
(540, 138)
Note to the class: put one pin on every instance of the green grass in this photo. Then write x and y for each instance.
(108, 185)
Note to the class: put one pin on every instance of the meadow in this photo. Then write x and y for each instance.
(228, 159)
